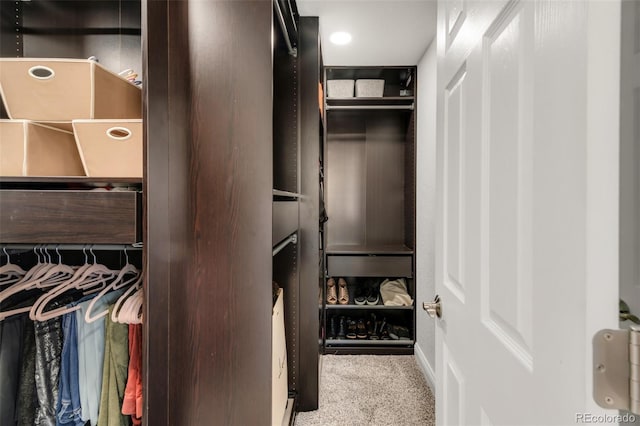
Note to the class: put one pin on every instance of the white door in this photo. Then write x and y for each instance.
(527, 249)
(630, 156)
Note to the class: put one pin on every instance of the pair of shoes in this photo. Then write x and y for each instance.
(398, 332)
(337, 295)
(368, 293)
(332, 294)
(337, 327)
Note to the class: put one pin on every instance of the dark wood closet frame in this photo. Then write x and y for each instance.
(362, 258)
(208, 197)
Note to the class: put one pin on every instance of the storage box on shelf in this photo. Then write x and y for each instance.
(340, 88)
(369, 88)
(61, 90)
(110, 148)
(32, 149)
(279, 381)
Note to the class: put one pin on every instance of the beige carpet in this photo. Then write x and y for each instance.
(371, 390)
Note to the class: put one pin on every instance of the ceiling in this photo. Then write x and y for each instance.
(385, 32)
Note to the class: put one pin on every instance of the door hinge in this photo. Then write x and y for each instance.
(616, 373)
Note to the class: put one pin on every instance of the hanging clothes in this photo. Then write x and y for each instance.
(10, 350)
(114, 373)
(49, 337)
(132, 403)
(68, 409)
(91, 345)
(26, 399)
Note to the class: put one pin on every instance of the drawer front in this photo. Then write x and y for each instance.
(82, 217)
(369, 266)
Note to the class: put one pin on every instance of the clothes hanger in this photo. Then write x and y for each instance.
(122, 300)
(131, 311)
(116, 284)
(12, 273)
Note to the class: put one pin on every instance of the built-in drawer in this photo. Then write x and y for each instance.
(62, 216)
(369, 266)
(285, 220)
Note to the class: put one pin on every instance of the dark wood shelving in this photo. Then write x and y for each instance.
(367, 342)
(368, 307)
(382, 101)
(373, 249)
(69, 179)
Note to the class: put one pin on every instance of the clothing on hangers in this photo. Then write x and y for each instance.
(132, 403)
(91, 346)
(10, 349)
(114, 374)
(26, 399)
(68, 409)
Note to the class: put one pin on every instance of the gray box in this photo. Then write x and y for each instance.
(369, 88)
(340, 88)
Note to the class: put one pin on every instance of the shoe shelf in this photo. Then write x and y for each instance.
(368, 307)
(368, 342)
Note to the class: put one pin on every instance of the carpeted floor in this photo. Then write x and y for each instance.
(364, 390)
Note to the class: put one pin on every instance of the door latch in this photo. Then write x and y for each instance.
(616, 373)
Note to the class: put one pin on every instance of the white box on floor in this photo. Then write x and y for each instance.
(279, 381)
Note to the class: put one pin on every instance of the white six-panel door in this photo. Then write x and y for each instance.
(527, 243)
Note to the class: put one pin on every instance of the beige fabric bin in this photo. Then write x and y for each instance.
(33, 149)
(110, 148)
(54, 90)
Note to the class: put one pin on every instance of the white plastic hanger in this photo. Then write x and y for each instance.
(10, 273)
(121, 303)
(118, 283)
(93, 278)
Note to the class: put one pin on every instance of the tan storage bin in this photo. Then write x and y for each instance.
(32, 149)
(279, 378)
(65, 90)
(110, 148)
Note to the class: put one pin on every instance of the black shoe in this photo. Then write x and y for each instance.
(398, 332)
(332, 328)
(351, 329)
(373, 325)
(342, 328)
(361, 293)
(384, 333)
(361, 330)
(373, 296)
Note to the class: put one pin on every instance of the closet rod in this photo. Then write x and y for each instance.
(94, 247)
(283, 26)
(293, 238)
(409, 107)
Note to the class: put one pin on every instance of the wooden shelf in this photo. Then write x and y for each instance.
(73, 180)
(367, 342)
(368, 307)
(369, 249)
(405, 103)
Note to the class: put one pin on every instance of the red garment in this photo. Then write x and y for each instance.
(132, 402)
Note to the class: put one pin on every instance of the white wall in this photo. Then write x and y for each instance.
(425, 209)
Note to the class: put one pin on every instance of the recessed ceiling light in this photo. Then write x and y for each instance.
(340, 38)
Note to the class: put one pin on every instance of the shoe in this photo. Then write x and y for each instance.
(343, 292)
(332, 296)
(398, 332)
(361, 294)
(351, 329)
(373, 296)
(384, 333)
(332, 328)
(342, 328)
(361, 330)
(372, 326)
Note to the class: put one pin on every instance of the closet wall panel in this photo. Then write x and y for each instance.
(217, 186)
(309, 246)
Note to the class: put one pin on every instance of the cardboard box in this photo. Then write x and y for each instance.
(59, 90)
(110, 148)
(34, 149)
(279, 382)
